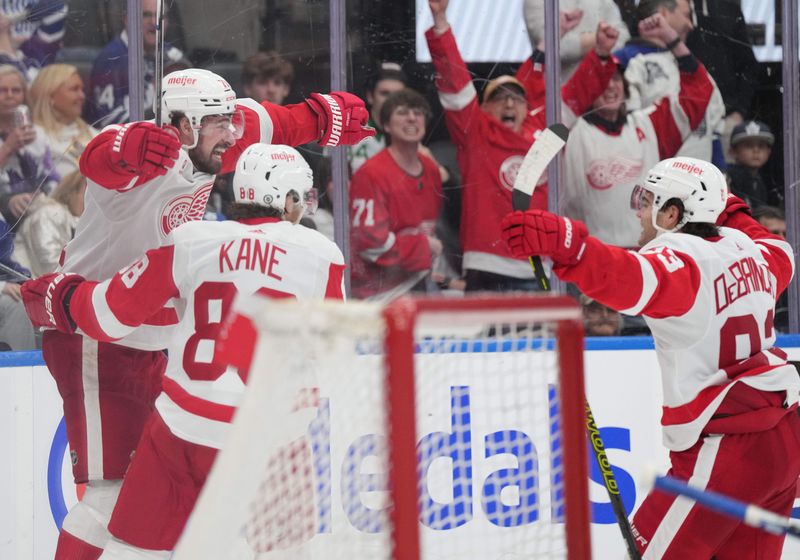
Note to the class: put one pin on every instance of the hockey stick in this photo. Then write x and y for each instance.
(14, 273)
(539, 156)
(611, 485)
(159, 71)
(751, 515)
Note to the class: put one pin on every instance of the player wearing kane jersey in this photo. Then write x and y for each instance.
(202, 266)
(144, 181)
(708, 295)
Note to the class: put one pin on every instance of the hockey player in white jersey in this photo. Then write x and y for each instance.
(706, 280)
(144, 181)
(203, 266)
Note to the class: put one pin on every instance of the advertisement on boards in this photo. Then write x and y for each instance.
(623, 388)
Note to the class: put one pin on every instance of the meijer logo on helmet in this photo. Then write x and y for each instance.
(182, 81)
(285, 156)
(690, 167)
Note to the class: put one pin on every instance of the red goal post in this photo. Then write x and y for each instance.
(402, 317)
(374, 464)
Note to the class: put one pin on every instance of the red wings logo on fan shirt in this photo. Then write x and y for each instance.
(509, 169)
(185, 208)
(605, 173)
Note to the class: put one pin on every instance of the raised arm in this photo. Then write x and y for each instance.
(675, 116)
(658, 283)
(453, 81)
(592, 76)
(124, 157)
(574, 95)
(331, 119)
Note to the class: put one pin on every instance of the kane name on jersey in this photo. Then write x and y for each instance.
(251, 254)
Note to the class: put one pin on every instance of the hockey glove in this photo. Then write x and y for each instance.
(144, 149)
(46, 300)
(342, 118)
(733, 205)
(540, 233)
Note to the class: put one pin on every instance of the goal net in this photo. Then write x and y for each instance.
(423, 429)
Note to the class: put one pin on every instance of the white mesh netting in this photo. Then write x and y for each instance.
(306, 474)
(490, 461)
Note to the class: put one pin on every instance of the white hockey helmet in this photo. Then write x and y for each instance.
(197, 93)
(700, 185)
(266, 174)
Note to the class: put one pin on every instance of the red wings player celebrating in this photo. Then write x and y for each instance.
(708, 295)
(203, 266)
(143, 182)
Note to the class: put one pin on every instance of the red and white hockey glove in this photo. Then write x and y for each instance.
(145, 149)
(46, 300)
(733, 205)
(540, 233)
(342, 118)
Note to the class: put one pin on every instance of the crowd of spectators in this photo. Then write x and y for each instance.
(658, 78)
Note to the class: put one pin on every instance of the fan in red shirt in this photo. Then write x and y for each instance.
(395, 200)
(492, 139)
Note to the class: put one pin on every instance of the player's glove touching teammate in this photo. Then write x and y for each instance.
(46, 300)
(541, 233)
(342, 118)
(145, 149)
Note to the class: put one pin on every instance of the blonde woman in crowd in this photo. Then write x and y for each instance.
(26, 165)
(57, 100)
(49, 224)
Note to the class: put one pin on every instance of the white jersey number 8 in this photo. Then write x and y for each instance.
(130, 275)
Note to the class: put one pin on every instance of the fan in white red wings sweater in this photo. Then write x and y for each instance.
(605, 160)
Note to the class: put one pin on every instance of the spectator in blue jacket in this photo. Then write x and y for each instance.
(37, 27)
(109, 101)
(16, 331)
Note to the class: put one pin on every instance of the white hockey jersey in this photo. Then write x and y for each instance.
(204, 266)
(653, 74)
(710, 306)
(125, 215)
(601, 171)
(603, 166)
